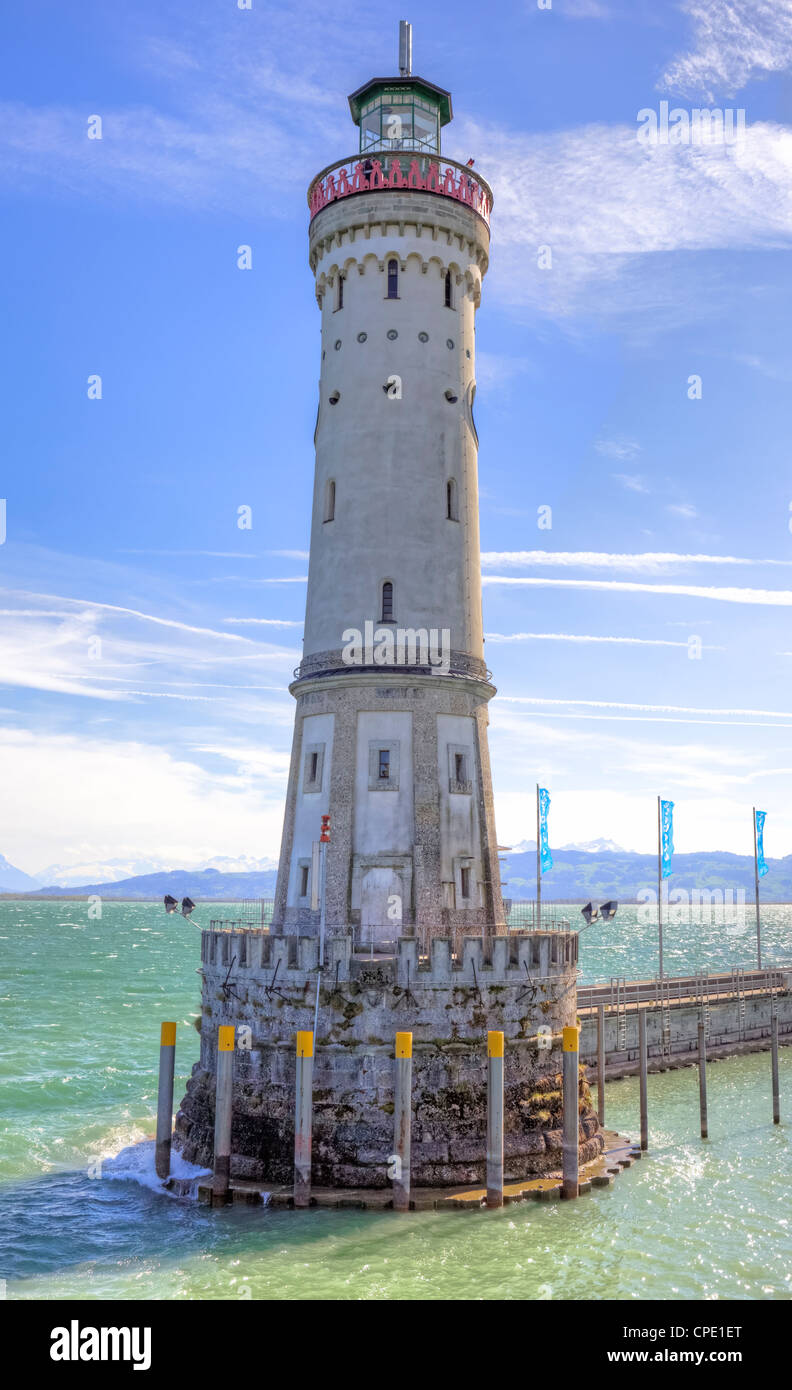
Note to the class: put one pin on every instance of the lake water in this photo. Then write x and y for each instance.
(80, 1005)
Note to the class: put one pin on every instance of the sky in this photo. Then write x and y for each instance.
(641, 645)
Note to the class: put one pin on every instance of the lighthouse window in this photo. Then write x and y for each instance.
(387, 602)
(452, 513)
(384, 763)
(304, 868)
(329, 512)
(448, 291)
(464, 882)
(393, 279)
(340, 293)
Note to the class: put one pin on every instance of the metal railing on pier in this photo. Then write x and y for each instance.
(619, 995)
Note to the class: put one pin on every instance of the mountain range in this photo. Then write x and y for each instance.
(578, 874)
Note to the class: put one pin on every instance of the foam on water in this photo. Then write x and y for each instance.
(135, 1163)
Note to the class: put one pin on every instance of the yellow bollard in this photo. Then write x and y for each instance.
(224, 1092)
(302, 1119)
(494, 1119)
(162, 1149)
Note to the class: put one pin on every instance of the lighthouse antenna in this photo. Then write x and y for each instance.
(405, 48)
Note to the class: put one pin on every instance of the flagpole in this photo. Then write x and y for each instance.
(660, 884)
(538, 865)
(756, 897)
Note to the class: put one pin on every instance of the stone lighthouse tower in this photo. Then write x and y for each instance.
(390, 736)
(391, 727)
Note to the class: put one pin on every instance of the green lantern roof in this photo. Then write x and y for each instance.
(404, 87)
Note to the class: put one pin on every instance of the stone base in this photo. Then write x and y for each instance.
(353, 1137)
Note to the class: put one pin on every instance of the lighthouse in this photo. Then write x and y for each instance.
(388, 920)
(390, 736)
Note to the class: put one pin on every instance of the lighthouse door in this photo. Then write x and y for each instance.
(380, 909)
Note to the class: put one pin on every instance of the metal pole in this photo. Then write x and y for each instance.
(224, 1092)
(660, 884)
(162, 1151)
(571, 1088)
(302, 1119)
(702, 1052)
(402, 1116)
(538, 866)
(494, 1119)
(322, 874)
(774, 1059)
(601, 1063)
(642, 1067)
(756, 897)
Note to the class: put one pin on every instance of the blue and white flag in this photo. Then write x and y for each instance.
(666, 837)
(545, 857)
(762, 864)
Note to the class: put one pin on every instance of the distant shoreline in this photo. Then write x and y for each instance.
(207, 902)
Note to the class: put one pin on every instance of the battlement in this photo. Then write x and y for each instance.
(517, 958)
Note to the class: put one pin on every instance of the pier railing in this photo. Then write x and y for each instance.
(619, 994)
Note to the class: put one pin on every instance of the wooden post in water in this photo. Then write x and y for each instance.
(702, 1063)
(642, 1073)
(162, 1150)
(601, 1063)
(224, 1091)
(571, 1097)
(303, 1106)
(774, 1060)
(494, 1119)
(402, 1116)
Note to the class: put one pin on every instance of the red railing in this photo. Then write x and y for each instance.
(419, 173)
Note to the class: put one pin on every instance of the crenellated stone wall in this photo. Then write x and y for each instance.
(266, 986)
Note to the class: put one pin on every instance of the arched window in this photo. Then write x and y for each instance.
(393, 279)
(452, 512)
(329, 508)
(340, 293)
(449, 300)
(387, 602)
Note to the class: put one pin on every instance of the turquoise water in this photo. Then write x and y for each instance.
(81, 1002)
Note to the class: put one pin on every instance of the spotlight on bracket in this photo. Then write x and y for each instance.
(187, 907)
(593, 914)
(171, 904)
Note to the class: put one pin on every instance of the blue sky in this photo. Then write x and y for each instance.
(168, 740)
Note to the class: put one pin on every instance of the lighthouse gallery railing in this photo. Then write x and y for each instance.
(419, 173)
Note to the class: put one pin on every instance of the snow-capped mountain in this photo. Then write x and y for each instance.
(117, 870)
(14, 880)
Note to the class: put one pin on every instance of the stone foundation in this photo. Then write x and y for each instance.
(523, 985)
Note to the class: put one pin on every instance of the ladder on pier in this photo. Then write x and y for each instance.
(738, 988)
(702, 996)
(663, 992)
(619, 1003)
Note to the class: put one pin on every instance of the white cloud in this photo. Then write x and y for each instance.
(130, 799)
(603, 202)
(650, 561)
(618, 448)
(774, 598)
(584, 637)
(535, 700)
(682, 509)
(733, 41)
(633, 482)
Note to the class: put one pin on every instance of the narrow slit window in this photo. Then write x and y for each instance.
(393, 279)
(449, 293)
(303, 880)
(452, 513)
(460, 769)
(329, 512)
(313, 767)
(340, 293)
(464, 879)
(384, 764)
(387, 602)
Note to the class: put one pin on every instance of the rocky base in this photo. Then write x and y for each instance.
(353, 1140)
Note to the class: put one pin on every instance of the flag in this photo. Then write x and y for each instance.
(762, 864)
(545, 857)
(666, 836)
